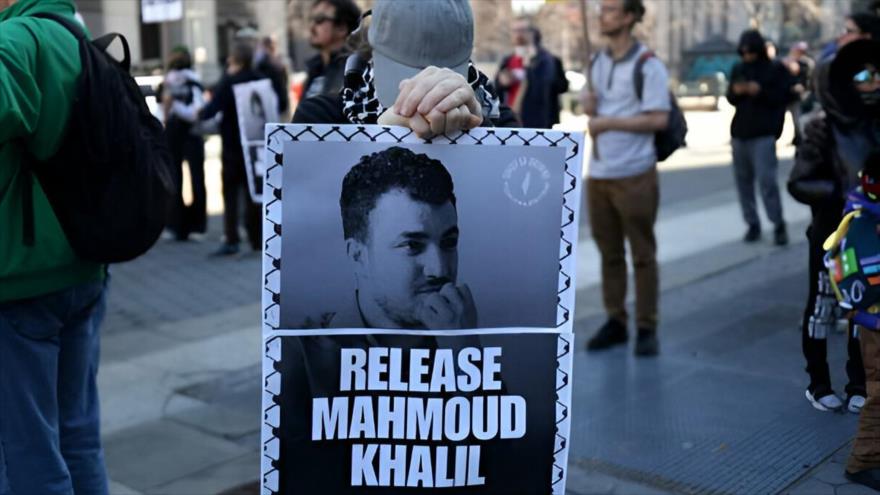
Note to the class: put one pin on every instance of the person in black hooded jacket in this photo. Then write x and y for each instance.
(836, 145)
(234, 174)
(761, 90)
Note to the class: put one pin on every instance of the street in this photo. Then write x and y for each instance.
(721, 410)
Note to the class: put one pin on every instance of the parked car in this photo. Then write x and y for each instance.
(706, 73)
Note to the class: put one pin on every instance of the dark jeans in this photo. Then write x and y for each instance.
(755, 159)
(50, 441)
(235, 191)
(818, 320)
(184, 219)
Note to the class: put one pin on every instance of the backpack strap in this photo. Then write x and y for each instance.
(79, 32)
(28, 224)
(638, 75)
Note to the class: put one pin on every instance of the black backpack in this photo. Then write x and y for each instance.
(109, 183)
(673, 137)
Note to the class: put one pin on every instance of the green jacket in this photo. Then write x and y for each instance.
(36, 92)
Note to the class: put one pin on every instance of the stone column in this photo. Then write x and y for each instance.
(124, 16)
(271, 18)
(200, 36)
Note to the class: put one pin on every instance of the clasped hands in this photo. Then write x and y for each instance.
(435, 101)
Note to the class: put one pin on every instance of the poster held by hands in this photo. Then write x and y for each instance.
(417, 310)
(257, 105)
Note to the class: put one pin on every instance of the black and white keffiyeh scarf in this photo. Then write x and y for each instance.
(361, 106)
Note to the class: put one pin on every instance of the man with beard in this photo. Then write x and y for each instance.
(531, 79)
(622, 189)
(330, 23)
(401, 233)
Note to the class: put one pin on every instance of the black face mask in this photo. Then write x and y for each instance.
(871, 99)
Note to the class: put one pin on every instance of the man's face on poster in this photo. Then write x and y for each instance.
(409, 254)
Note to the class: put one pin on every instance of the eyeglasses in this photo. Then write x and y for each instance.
(321, 19)
(866, 76)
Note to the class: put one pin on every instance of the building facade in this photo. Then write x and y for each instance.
(671, 27)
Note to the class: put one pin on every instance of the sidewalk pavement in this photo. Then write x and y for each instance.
(181, 395)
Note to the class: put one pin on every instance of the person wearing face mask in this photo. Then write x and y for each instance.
(531, 79)
(836, 144)
(412, 67)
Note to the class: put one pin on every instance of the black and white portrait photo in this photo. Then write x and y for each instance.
(256, 104)
(434, 237)
(417, 310)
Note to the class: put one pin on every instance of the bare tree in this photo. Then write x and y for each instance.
(492, 19)
(787, 20)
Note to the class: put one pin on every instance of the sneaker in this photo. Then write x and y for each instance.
(823, 399)
(780, 236)
(610, 334)
(226, 249)
(867, 477)
(753, 234)
(646, 343)
(855, 403)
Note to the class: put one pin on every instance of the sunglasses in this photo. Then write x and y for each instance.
(867, 75)
(321, 19)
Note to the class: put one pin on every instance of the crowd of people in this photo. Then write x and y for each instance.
(377, 71)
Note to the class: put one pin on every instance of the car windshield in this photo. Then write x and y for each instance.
(709, 65)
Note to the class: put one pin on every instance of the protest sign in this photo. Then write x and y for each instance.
(256, 105)
(418, 310)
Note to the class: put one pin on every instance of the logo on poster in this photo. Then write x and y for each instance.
(526, 181)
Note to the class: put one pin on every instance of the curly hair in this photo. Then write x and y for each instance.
(423, 178)
(636, 8)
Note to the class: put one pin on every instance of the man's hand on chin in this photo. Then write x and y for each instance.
(451, 308)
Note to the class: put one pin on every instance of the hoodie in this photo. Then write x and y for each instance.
(763, 114)
(37, 86)
(836, 144)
